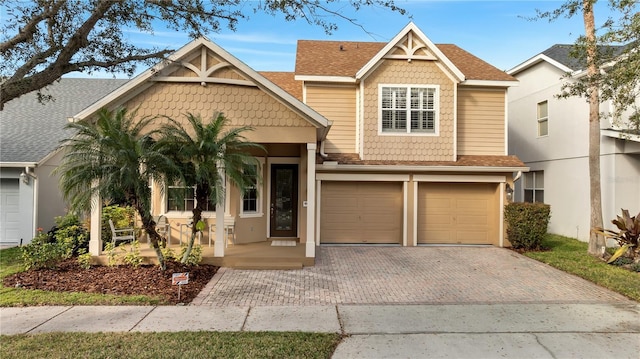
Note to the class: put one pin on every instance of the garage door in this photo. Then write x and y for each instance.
(9, 212)
(458, 213)
(361, 212)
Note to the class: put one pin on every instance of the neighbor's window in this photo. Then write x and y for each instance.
(181, 198)
(543, 119)
(409, 109)
(534, 186)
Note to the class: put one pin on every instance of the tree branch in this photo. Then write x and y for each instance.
(29, 28)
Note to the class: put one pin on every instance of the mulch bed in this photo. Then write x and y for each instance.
(120, 280)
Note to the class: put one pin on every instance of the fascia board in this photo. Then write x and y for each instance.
(490, 83)
(17, 164)
(534, 61)
(396, 168)
(314, 78)
(410, 27)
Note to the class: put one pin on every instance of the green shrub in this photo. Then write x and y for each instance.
(133, 257)
(67, 239)
(195, 256)
(84, 259)
(526, 224)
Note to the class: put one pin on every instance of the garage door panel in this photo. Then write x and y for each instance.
(372, 214)
(457, 213)
(9, 211)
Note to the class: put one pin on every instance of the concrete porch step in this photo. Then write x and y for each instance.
(262, 264)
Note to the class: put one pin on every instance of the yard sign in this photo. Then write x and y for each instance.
(179, 279)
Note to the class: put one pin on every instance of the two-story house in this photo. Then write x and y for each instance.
(551, 136)
(398, 143)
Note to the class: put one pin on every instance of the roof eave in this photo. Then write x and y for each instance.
(321, 78)
(417, 168)
(536, 60)
(490, 83)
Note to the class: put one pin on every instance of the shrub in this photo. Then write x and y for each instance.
(195, 256)
(526, 224)
(67, 239)
(627, 236)
(84, 259)
(133, 257)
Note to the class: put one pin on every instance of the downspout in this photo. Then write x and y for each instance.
(33, 177)
(322, 154)
(517, 177)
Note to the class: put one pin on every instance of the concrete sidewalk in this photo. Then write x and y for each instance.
(378, 331)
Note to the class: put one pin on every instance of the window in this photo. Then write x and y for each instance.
(417, 105)
(534, 186)
(180, 198)
(543, 119)
(251, 200)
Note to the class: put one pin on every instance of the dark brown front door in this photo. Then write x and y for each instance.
(284, 200)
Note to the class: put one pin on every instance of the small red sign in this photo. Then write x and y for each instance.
(180, 278)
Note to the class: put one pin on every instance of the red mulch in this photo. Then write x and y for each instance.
(120, 280)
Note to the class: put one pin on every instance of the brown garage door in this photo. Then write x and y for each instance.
(458, 213)
(361, 212)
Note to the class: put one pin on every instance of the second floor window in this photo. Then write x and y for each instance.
(180, 198)
(543, 119)
(409, 109)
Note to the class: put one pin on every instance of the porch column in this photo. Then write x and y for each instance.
(218, 247)
(310, 249)
(95, 241)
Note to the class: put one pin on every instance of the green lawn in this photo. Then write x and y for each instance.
(570, 255)
(170, 345)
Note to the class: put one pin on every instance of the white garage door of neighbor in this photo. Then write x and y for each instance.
(9, 211)
(361, 212)
(465, 213)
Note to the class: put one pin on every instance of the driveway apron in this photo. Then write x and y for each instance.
(405, 275)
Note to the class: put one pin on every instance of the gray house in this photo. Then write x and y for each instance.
(550, 136)
(30, 132)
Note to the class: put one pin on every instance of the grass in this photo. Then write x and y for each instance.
(11, 263)
(570, 255)
(170, 345)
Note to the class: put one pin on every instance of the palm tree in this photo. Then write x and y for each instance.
(115, 158)
(200, 149)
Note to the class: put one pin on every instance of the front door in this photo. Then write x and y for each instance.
(284, 200)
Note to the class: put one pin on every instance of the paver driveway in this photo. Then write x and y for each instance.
(405, 275)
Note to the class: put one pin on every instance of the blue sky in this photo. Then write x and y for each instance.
(496, 31)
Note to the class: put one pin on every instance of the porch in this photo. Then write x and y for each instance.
(260, 255)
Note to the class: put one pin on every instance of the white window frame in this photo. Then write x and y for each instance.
(542, 119)
(186, 213)
(259, 195)
(409, 131)
(535, 188)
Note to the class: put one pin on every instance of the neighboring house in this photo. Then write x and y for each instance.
(398, 143)
(30, 131)
(551, 136)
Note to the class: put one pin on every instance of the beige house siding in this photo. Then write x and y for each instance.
(481, 121)
(337, 104)
(242, 105)
(408, 147)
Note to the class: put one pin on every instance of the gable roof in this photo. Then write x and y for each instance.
(349, 59)
(559, 55)
(30, 130)
(141, 82)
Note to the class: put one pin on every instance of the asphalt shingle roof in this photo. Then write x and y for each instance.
(562, 54)
(30, 130)
(345, 58)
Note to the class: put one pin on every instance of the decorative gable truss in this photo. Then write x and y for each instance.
(203, 67)
(411, 47)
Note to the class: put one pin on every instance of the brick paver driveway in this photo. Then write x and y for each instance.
(403, 275)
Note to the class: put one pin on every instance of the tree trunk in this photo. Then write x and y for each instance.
(149, 227)
(596, 241)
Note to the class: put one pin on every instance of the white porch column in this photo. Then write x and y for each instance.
(218, 247)
(310, 249)
(95, 241)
